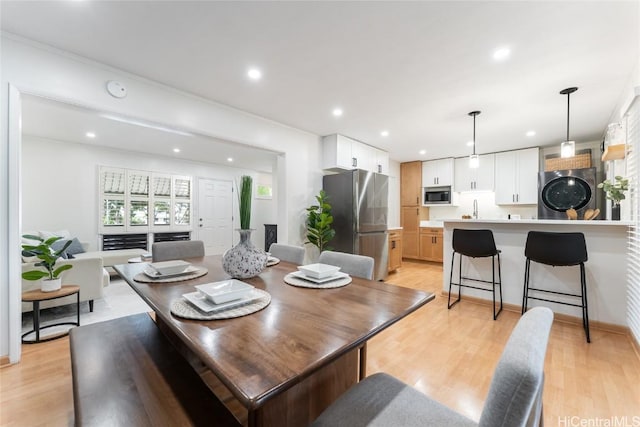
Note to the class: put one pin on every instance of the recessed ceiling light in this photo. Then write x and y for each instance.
(501, 54)
(229, 159)
(422, 152)
(384, 133)
(90, 135)
(176, 150)
(531, 133)
(254, 74)
(337, 112)
(470, 144)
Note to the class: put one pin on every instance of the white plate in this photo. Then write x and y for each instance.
(204, 304)
(336, 276)
(319, 271)
(170, 267)
(225, 290)
(272, 261)
(155, 275)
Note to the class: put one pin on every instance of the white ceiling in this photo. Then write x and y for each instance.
(413, 68)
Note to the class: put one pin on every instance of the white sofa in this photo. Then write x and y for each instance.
(88, 273)
(111, 258)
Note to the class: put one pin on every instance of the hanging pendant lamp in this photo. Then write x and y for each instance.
(568, 148)
(474, 160)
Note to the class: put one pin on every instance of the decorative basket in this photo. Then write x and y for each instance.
(579, 161)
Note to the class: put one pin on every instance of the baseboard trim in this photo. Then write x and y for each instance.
(635, 344)
(559, 317)
(4, 361)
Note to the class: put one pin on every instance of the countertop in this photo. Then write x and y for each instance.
(590, 223)
(431, 224)
(394, 228)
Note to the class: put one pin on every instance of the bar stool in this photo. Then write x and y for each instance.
(557, 250)
(475, 244)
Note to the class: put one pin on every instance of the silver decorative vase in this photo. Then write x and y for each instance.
(244, 260)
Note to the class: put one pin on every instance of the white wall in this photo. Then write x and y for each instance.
(73, 201)
(393, 219)
(42, 71)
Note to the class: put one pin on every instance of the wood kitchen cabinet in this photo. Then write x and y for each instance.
(410, 199)
(395, 250)
(516, 177)
(437, 173)
(431, 246)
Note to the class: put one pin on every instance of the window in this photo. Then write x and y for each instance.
(264, 186)
(140, 201)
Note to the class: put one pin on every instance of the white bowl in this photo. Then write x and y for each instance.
(225, 291)
(170, 267)
(319, 271)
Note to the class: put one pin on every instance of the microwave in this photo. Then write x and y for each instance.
(437, 196)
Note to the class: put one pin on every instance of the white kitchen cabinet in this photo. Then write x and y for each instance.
(437, 173)
(343, 153)
(516, 177)
(474, 179)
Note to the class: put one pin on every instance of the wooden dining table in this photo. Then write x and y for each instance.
(287, 362)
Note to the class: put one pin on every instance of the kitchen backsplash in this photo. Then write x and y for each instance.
(487, 208)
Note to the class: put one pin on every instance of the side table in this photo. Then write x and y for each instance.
(36, 297)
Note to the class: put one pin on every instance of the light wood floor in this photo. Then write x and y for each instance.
(447, 354)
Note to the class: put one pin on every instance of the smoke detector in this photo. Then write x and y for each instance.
(116, 89)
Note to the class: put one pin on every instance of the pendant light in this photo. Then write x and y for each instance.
(568, 148)
(474, 161)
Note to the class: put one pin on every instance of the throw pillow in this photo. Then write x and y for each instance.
(74, 248)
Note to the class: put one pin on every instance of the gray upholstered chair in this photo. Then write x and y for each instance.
(353, 265)
(514, 400)
(287, 253)
(165, 251)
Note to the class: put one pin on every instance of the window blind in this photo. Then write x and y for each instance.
(632, 118)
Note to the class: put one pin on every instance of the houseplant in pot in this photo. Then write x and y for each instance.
(319, 220)
(244, 260)
(47, 257)
(615, 192)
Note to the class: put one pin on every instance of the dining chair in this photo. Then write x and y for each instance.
(514, 399)
(475, 244)
(354, 265)
(165, 251)
(358, 266)
(287, 253)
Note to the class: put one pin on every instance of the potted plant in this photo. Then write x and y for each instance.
(48, 257)
(319, 220)
(244, 260)
(615, 192)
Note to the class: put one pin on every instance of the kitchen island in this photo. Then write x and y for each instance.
(606, 269)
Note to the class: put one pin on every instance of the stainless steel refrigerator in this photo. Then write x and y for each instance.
(359, 204)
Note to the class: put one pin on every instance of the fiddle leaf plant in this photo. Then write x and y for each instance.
(319, 220)
(615, 190)
(47, 258)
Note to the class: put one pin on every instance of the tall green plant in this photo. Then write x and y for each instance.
(319, 220)
(245, 194)
(47, 256)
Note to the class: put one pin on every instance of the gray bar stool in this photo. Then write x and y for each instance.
(557, 250)
(475, 244)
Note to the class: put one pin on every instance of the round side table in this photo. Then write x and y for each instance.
(35, 297)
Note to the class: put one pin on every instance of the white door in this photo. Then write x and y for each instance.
(215, 215)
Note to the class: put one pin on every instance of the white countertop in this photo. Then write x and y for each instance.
(393, 228)
(590, 223)
(432, 223)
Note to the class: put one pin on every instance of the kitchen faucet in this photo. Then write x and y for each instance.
(475, 208)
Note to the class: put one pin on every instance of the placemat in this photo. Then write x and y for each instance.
(141, 277)
(292, 280)
(273, 261)
(182, 308)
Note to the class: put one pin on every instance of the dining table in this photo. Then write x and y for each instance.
(286, 363)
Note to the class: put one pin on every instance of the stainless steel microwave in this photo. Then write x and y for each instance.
(437, 196)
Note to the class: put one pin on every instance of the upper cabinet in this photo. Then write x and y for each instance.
(437, 173)
(474, 179)
(516, 177)
(341, 152)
